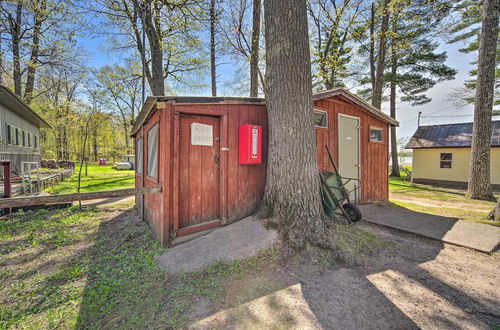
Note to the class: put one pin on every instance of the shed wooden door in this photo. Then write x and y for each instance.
(349, 150)
(199, 159)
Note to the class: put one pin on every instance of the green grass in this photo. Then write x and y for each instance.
(438, 201)
(99, 178)
(98, 269)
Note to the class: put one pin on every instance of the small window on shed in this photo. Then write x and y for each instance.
(138, 153)
(376, 134)
(446, 158)
(320, 118)
(153, 151)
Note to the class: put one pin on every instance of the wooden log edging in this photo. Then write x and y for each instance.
(63, 198)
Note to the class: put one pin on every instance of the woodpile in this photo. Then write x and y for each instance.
(48, 163)
(66, 164)
(55, 164)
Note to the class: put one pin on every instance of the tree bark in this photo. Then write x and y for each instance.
(150, 18)
(372, 46)
(379, 74)
(35, 50)
(213, 66)
(479, 185)
(15, 32)
(394, 72)
(254, 56)
(292, 193)
(495, 213)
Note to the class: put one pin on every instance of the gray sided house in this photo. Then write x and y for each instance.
(19, 130)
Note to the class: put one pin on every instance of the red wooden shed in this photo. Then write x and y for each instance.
(190, 147)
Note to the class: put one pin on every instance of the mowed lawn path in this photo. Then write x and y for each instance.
(439, 201)
(99, 178)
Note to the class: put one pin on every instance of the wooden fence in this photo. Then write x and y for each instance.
(64, 198)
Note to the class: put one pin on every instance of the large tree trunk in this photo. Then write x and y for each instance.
(394, 72)
(254, 56)
(495, 213)
(40, 14)
(15, 32)
(379, 74)
(372, 46)
(157, 83)
(151, 21)
(479, 186)
(292, 192)
(213, 66)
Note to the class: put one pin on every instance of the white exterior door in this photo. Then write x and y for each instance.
(349, 162)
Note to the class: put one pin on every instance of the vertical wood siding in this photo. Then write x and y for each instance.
(373, 155)
(242, 186)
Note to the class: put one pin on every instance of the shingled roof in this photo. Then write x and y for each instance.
(449, 136)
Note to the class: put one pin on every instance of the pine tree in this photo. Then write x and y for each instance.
(466, 28)
(414, 64)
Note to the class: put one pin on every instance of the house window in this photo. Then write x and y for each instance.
(35, 140)
(320, 118)
(139, 152)
(376, 134)
(19, 137)
(24, 138)
(446, 158)
(11, 134)
(29, 139)
(153, 151)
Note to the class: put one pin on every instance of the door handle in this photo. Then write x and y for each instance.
(217, 158)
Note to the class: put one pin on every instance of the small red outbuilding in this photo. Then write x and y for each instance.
(208, 155)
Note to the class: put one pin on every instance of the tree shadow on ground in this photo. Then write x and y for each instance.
(412, 282)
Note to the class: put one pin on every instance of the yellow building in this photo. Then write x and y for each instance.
(441, 154)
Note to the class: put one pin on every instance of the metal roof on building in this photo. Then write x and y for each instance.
(449, 136)
(15, 104)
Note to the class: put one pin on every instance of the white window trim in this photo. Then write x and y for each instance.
(377, 129)
(450, 161)
(139, 156)
(157, 127)
(326, 116)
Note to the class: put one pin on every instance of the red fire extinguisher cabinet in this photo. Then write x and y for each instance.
(250, 144)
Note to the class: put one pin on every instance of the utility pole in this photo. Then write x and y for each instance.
(418, 121)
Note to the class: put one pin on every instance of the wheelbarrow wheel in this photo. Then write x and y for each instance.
(353, 212)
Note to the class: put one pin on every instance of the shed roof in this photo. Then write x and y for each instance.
(449, 136)
(14, 103)
(353, 98)
(338, 92)
(151, 100)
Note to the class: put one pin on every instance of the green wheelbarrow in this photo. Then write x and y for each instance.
(336, 196)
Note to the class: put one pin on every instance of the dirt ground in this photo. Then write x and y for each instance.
(99, 269)
(413, 283)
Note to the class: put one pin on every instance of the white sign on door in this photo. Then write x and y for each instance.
(202, 135)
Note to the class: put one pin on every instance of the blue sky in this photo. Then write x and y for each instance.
(441, 104)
